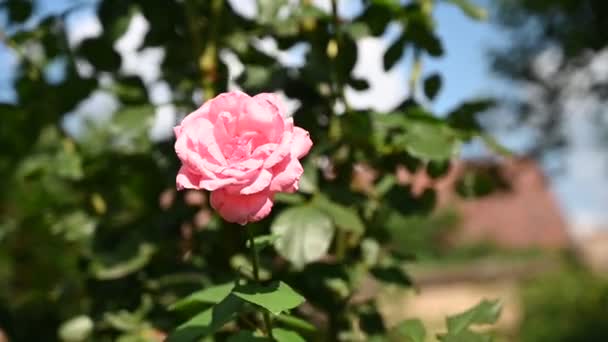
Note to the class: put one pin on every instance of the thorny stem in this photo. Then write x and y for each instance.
(255, 260)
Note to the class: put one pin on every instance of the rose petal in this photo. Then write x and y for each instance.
(231, 102)
(186, 179)
(273, 100)
(241, 208)
(201, 112)
(286, 176)
(198, 137)
(301, 143)
(261, 116)
(259, 184)
(282, 151)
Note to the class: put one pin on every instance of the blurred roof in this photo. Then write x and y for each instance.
(522, 212)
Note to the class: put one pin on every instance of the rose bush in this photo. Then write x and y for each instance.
(243, 149)
(133, 260)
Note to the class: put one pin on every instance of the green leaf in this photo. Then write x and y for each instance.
(470, 9)
(432, 84)
(208, 321)
(295, 322)
(305, 234)
(288, 198)
(356, 30)
(209, 295)
(393, 53)
(76, 226)
(343, 217)
(310, 178)
(19, 10)
(77, 329)
(411, 330)
(100, 52)
(392, 275)
(486, 312)
(260, 242)
(282, 335)
(121, 269)
(276, 298)
(464, 117)
(429, 140)
(466, 336)
(495, 146)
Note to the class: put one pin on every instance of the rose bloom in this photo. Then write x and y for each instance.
(243, 149)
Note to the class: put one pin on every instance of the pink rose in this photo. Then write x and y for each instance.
(243, 150)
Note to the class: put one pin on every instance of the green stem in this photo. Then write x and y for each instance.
(337, 42)
(255, 260)
(416, 72)
(341, 245)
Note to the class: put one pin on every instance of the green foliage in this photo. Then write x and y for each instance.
(411, 330)
(459, 326)
(565, 305)
(305, 234)
(95, 244)
(276, 298)
(208, 321)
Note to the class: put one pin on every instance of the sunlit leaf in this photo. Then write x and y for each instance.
(209, 295)
(411, 330)
(305, 234)
(208, 321)
(276, 297)
(121, 269)
(282, 335)
(343, 217)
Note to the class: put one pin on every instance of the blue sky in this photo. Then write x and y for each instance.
(466, 75)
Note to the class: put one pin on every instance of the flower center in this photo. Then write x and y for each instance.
(238, 148)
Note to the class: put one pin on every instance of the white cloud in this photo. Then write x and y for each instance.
(244, 8)
(164, 119)
(160, 93)
(387, 89)
(144, 63)
(82, 25)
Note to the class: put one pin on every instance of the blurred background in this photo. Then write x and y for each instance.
(90, 91)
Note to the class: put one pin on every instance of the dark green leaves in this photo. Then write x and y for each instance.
(229, 301)
(100, 53)
(276, 298)
(208, 321)
(486, 312)
(394, 52)
(209, 295)
(18, 10)
(391, 275)
(305, 234)
(432, 84)
(417, 133)
(430, 141)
